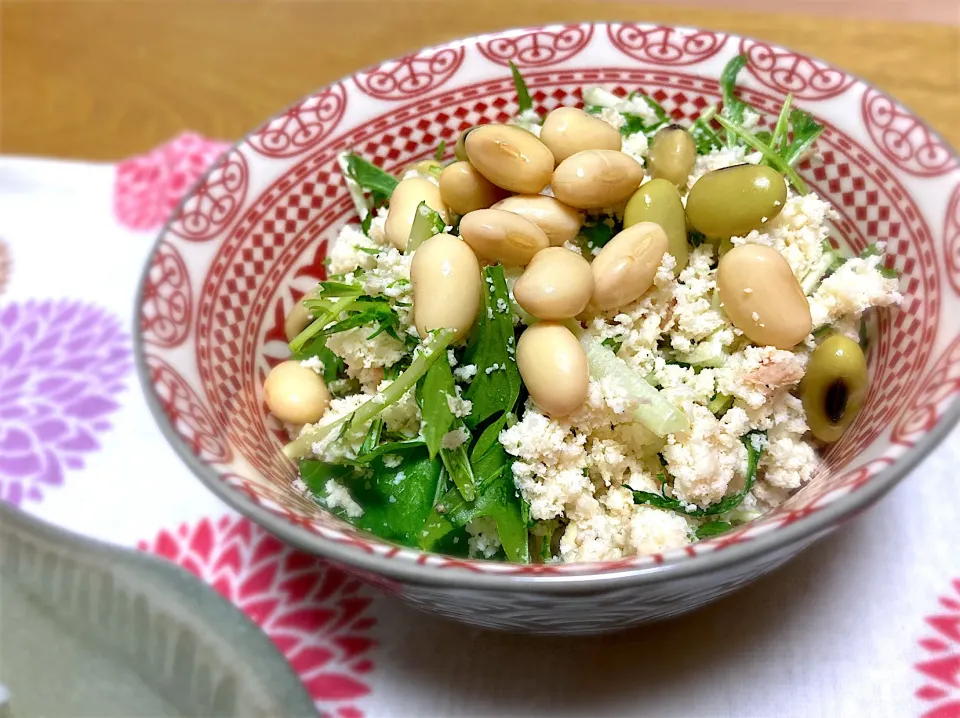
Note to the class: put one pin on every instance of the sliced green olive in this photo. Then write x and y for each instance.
(834, 387)
(731, 202)
(672, 155)
(659, 202)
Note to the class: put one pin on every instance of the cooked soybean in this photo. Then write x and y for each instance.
(594, 179)
(510, 157)
(446, 282)
(568, 130)
(557, 284)
(762, 296)
(295, 394)
(560, 222)
(553, 368)
(500, 236)
(404, 201)
(672, 155)
(625, 268)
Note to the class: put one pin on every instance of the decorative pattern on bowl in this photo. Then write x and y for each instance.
(251, 237)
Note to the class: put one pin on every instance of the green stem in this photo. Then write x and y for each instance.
(433, 348)
(780, 131)
(318, 324)
(775, 160)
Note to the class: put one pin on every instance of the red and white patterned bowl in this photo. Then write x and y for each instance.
(251, 237)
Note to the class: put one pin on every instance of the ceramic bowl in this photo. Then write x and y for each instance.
(251, 237)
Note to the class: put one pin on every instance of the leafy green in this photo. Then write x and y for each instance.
(396, 501)
(772, 158)
(432, 349)
(719, 404)
(727, 503)
(497, 497)
(597, 232)
(437, 420)
(524, 102)
(436, 417)
(489, 437)
(492, 349)
(372, 438)
(441, 148)
(779, 135)
(714, 528)
(733, 107)
(612, 344)
(696, 238)
(390, 447)
(822, 331)
(873, 250)
(426, 224)
(362, 311)
(333, 365)
(805, 131)
(371, 178)
(704, 136)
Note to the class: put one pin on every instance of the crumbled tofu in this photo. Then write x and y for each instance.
(465, 373)
(719, 159)
(855, 287)
(358, 351)
(484, 539)
(635, 146)
(459, 406)
(455, 438)
(339, 497)
(313, 363)
(392, 461)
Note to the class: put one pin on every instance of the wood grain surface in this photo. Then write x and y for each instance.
(106, 79)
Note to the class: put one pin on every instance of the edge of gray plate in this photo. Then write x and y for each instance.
(169, 632)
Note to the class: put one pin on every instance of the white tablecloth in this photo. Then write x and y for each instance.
(865, 623)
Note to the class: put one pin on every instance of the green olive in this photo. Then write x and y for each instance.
(731, 202)
(672, 155)
(659, 202)
(834, 387)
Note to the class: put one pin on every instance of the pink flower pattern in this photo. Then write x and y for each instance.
(149, 187)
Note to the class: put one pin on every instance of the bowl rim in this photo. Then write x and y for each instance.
(796, 535)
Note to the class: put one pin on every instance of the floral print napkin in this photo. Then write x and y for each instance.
(867, 622)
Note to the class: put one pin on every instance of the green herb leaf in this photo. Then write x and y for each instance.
(773, 159)
(489, 437)
(822, 331)
(333, 366)
(457, 464)
(372, 438)
(727, 503)
(704, 136)
(612, 344)
(432, 349)
(426, 224)
(441, 148)
(524, 102)
(714, 528)
(497, 497)
(390, 447)
(733, 107)
(696, 238)
(805, 131)
(492, 349)
(872, 250)
(396, 501)
(719, 404)
(436, 418)
(371, 178)
(596, 233)
(779, 135)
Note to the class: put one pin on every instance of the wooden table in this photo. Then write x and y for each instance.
(105, 79)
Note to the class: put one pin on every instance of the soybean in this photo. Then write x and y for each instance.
(295, 394)
(762, 297)
(659, 202)
(834, 387)
(557, 284)
(672, 155)
(404, 201)
(625, 268)
(568, 130)
(594, 179)
(510, 157)
(464, 189)
(500, 236)
(733, 201)
(446, 282)
(553, 368)
(561, 223)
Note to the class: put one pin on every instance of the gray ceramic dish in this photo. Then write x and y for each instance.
(88, 629)
(248, 240)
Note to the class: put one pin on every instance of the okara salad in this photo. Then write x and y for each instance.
(595, 334)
